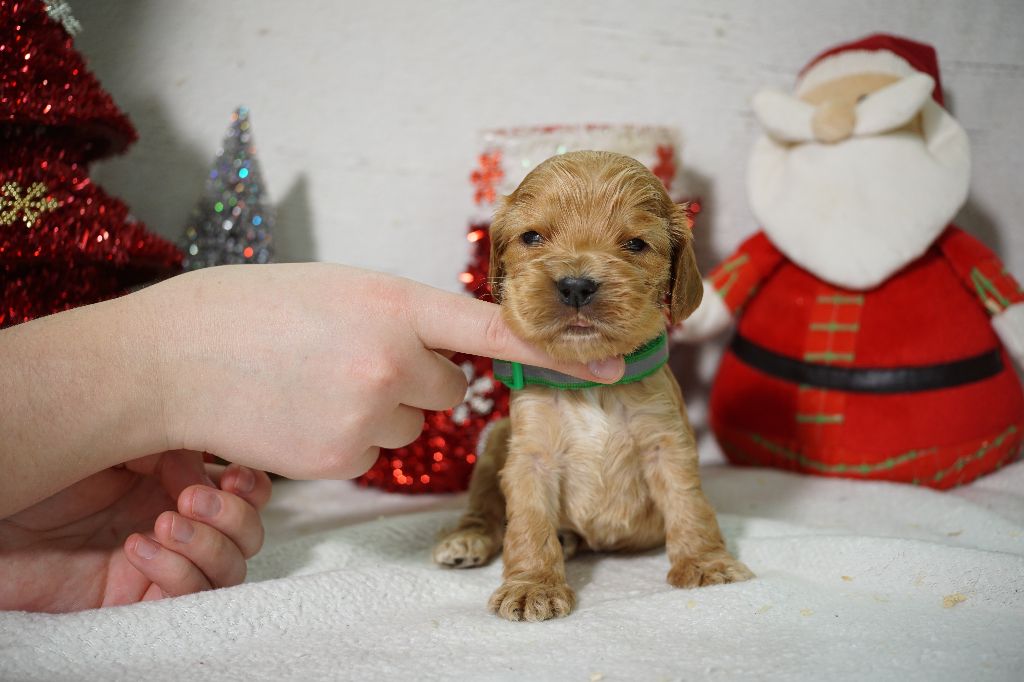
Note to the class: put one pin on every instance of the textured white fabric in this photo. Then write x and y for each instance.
(857, 581)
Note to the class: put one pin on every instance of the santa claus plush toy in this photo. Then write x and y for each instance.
(874, 338)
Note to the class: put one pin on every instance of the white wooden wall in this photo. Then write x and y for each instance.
(365, 113)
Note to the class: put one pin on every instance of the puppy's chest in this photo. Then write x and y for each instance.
(592, 422)
(604, 494)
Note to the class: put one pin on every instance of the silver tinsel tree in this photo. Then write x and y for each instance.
(233, 221)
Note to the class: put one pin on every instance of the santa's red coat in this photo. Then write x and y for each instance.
(936, 310)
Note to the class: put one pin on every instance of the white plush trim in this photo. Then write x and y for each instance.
(855, 212)
(711, 318)
(522, 149)
(784, 116)
(1009, 325)
(789, 119)
(894, 105)
(945, 138)
(853, 62)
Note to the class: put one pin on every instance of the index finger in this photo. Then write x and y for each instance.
(459, 323)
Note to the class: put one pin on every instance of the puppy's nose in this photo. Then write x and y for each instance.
(576, 291)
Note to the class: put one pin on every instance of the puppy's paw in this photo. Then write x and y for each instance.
(465, 549)
(711, 569)
(532, 601)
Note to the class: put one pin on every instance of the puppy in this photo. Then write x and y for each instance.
(587, 254)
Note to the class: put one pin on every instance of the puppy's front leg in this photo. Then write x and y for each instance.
(477, 537)
(534, 588)
(694, 542)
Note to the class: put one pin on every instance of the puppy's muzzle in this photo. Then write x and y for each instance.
(576, 291)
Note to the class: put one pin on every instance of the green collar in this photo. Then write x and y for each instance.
(640, 364)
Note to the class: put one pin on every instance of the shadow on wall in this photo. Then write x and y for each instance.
(294, 239)
(699, 187)
(163, 175)
(974, 218)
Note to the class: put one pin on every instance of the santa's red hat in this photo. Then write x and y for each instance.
(878, 53)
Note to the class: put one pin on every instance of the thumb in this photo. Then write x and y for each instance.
(460, 323)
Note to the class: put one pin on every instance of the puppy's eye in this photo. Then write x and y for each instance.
(636, 245)
(531, 238)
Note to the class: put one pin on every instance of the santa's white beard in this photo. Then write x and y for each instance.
(855, 212)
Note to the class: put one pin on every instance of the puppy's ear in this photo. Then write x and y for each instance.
(685, 285)
(496, 268)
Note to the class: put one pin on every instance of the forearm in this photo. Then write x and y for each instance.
(77, 394)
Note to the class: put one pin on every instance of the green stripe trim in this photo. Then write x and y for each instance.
(841, 299)
(984, 287)
(834, 327)
(886, 465)
(819, 419)
(731, 265)
(828, 356)
(724, 290)
(960, 463)
(816, 465)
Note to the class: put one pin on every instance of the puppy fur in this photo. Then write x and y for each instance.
(609, 468)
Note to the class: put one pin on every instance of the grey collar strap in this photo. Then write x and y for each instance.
(640, 364)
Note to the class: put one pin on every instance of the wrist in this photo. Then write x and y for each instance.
(136, 339)
(176, 334)
(76, 400)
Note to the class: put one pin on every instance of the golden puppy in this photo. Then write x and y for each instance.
(586, 255)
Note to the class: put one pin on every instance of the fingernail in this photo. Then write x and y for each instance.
(145, 548)
(245, 481)
(182, 529)
(205, 502)
(611, 369)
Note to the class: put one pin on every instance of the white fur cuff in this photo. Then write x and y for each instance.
(711, 318)
(1009, 325)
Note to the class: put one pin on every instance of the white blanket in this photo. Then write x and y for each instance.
(855, 581)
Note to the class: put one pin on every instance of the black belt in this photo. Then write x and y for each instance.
(869, 379)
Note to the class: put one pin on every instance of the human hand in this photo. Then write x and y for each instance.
(310, 369)
(122, 535)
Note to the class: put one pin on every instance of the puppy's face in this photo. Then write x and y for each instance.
(586, 255)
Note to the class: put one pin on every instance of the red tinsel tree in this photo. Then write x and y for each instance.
(64, 242)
